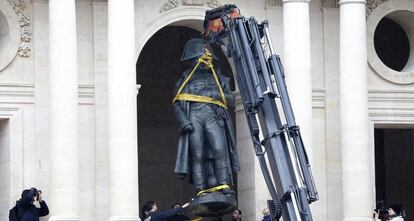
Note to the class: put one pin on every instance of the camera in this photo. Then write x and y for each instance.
(35, 193)
(382, 210)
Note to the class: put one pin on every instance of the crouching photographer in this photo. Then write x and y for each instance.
(26, 210)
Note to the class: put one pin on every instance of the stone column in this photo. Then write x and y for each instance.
(122, 111)
(357, 187)
(297, 64)
(64, 167)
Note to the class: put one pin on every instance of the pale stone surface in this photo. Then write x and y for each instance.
(357, 184)
(10, 34)
(332, 131)
(251, 187)
(41, 97)
(4, 167)
(25, 106)
(122, 112)
(100, 12)
(64, 168)
(297, 65)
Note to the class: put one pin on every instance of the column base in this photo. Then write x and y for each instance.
(124, 218)
(64, 218)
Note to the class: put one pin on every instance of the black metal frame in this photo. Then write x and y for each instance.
(262, 86)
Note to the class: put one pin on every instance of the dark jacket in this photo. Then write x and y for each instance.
(29, 212)
(266, 218)
(32, 213)
(178, 217)
(161, 215)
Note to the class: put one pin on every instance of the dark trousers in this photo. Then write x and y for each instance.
(208, 133)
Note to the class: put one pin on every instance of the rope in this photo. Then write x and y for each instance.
(214, 189)
(207, 60)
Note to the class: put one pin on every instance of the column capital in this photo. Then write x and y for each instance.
(341, 2)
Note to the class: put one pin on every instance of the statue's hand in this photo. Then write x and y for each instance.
(187, 129)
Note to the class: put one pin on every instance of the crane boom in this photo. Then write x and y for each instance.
(275, 135)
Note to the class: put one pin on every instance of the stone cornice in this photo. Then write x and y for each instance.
(351, 1)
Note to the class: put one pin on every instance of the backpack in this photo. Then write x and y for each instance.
(13, 215)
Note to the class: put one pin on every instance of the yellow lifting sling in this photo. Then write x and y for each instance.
(206, 59)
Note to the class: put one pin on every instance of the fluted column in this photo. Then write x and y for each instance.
(356, 161)
(122, 111)
(64, 167)
(297, 64)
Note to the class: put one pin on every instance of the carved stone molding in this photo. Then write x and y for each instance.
(24, 51)
(372, 4)
(213, 3)
(24, 20)
(171, 4)
(26, 36)
(330, 3)
(25, 24)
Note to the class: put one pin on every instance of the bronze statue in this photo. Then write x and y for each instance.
(206, 150)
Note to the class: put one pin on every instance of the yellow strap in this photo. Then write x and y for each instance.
(197, 219)
(206, 59)
(198, 98)
(214, 189)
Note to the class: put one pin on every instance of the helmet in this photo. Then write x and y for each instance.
(194, 48)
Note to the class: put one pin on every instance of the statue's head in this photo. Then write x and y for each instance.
(195, 48)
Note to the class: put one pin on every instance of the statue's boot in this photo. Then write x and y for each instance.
(199, 181)
(224, 179)
(216, 201)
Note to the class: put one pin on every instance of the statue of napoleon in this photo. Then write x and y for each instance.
(206, 149)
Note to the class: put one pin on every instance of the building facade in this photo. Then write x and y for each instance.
(86, 88)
